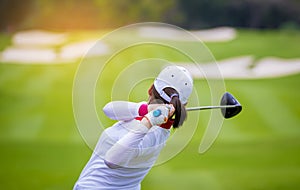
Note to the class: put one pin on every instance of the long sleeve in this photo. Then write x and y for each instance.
(124, 111)
(139, 147)
(127, 148)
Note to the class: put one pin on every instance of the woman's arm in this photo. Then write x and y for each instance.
(124, 111)
(127, 148)
(130, 145)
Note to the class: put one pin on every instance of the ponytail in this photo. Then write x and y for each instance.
(180, 112)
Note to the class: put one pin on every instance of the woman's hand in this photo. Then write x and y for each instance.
(170, 107)
(160, 114)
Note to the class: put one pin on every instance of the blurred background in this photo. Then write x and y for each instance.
(41, 46)
(189, 14)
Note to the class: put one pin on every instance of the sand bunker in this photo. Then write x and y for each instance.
(41, 47)
(220, 34)
(85, 48)
(245, 68)
(28, 55)
(275, 67)
(68, 53)
(38, 38)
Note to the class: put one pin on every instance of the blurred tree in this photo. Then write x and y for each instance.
(240, 13)
(190, 14)
(86, 14)
(262, 14)
(13, 13)
(64, 14)
(120, 12)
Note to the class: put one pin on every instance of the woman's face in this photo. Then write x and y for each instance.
(150, 95)
(153, 100)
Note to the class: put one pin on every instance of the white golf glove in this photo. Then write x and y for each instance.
(160, 115)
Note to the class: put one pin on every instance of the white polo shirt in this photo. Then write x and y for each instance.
(129, 145)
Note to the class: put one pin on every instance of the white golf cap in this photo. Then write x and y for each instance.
(176, 77)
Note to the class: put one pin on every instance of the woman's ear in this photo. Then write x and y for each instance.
(150, 90)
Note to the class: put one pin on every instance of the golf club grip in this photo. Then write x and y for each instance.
(208, 107)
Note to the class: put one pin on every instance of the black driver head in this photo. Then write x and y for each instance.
(229, 100)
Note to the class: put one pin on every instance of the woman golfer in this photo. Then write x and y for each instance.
(127, 150)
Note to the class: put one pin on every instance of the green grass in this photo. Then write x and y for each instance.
(236, 165)
(41, 147)
(41, 165)
(283, 44)
(5, 40)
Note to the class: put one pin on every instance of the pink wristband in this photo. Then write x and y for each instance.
(143, 110)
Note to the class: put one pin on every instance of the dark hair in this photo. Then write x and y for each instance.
(180, 113)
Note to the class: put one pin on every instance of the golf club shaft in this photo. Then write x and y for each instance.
(209, 107)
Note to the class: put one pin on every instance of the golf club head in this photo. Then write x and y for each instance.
(228, 99)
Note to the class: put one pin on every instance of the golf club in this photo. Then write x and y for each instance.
(229, 106)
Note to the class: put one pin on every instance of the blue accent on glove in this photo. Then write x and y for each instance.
(157, 113)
